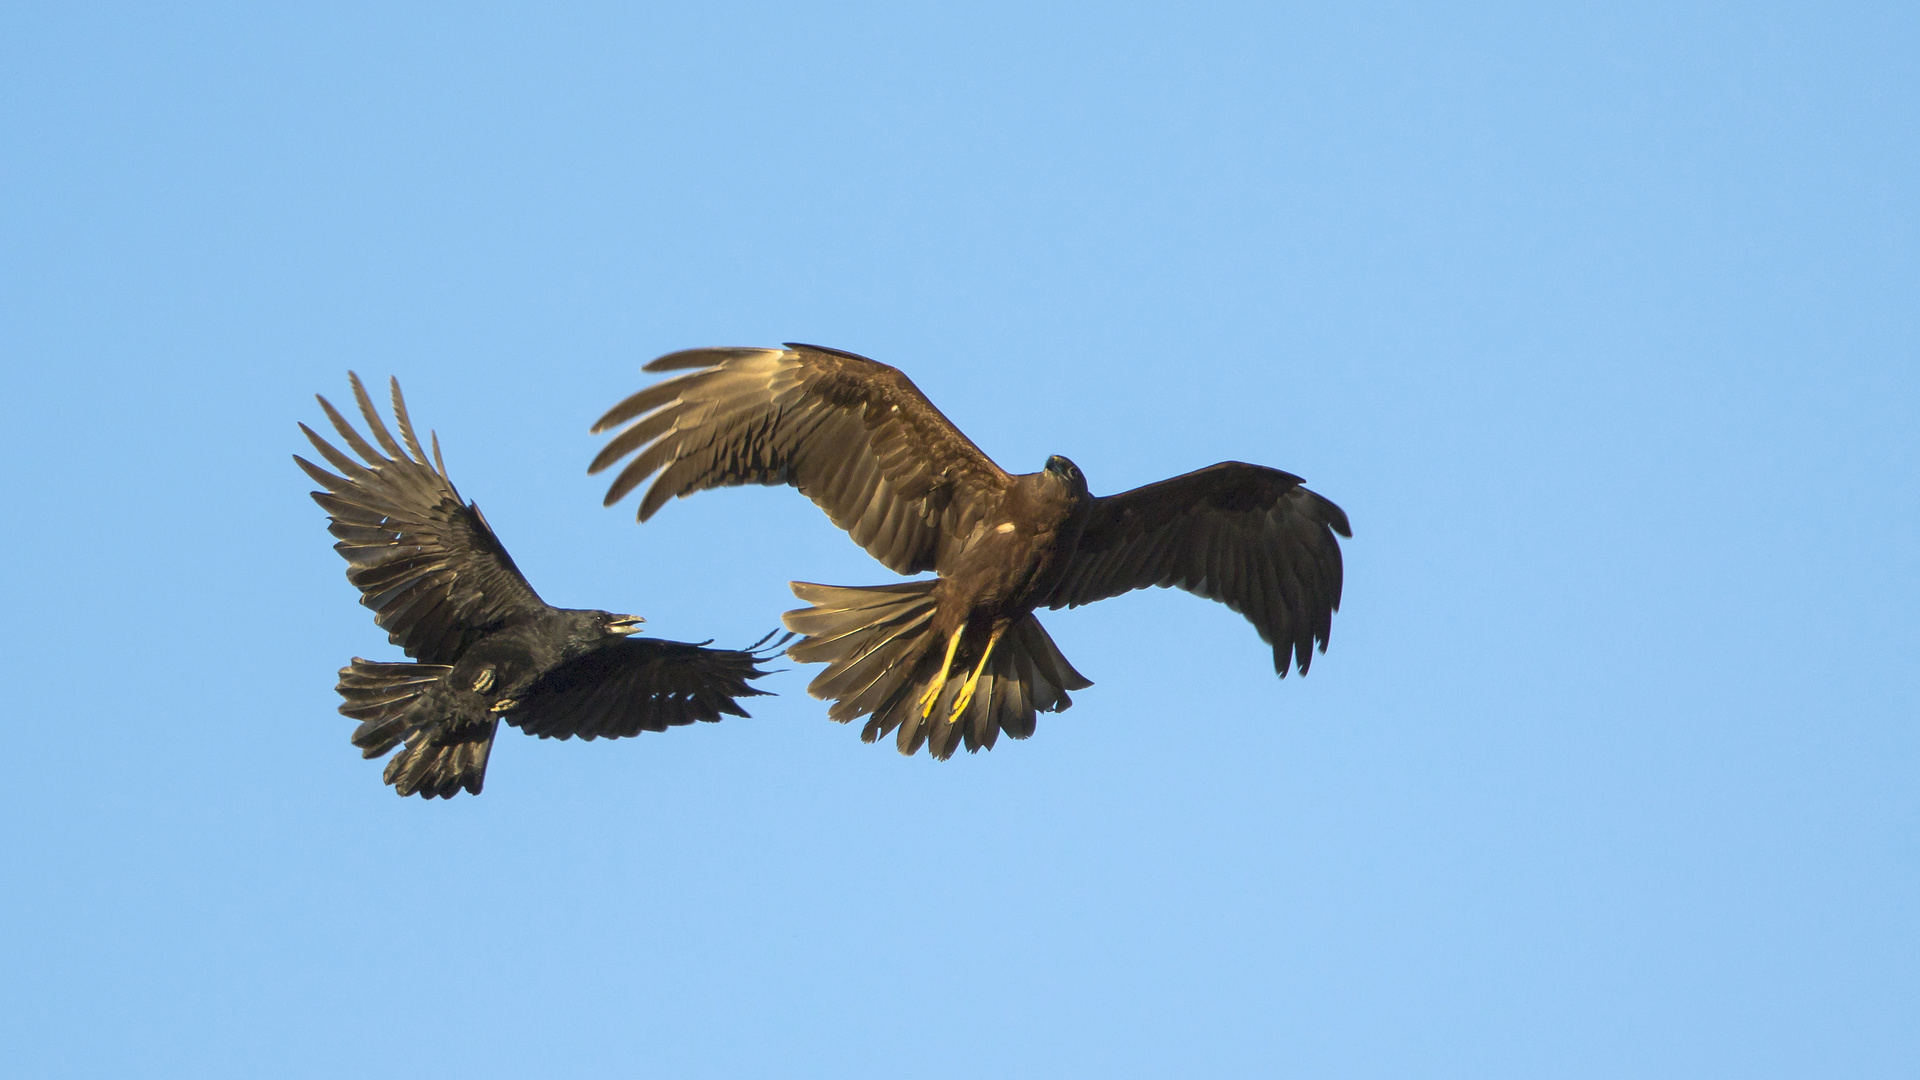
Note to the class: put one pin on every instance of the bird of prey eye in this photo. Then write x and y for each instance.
(960, 658)
(485, 647)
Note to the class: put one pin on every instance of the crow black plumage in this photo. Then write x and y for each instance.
(485, 646)
(961, 658)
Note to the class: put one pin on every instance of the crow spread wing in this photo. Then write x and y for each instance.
(1246, 535)
(635, 685)
(852, 434)
(427, 564)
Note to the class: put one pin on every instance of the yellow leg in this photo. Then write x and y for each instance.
(940, 681)
(966, 692)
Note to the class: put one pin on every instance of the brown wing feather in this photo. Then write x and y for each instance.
(428, 565)
(852, 434)
(1246, 535)
(635, 685)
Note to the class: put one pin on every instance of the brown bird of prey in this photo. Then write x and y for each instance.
(961, 657)
(485, 646)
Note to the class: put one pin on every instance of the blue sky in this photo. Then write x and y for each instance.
(1598, 319)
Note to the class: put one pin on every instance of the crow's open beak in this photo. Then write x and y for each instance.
(624, 624)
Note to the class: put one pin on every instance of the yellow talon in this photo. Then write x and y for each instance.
(973, 681)
(940, 681)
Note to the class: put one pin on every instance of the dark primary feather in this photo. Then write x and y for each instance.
(852, 434)
(427, 564)
(638, 685)
(1246, 535)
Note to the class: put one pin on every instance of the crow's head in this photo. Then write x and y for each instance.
(619, 625)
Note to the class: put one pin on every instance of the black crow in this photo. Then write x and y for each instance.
(485, 646)
(961, 657)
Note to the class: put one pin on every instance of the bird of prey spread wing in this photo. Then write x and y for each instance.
(485, 647)
(960, 658)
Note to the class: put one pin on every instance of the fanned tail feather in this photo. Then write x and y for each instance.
(438, 762)
(882, 655)
(396, 703)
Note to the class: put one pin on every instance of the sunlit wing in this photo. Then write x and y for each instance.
(852, 434)
(428, 565)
